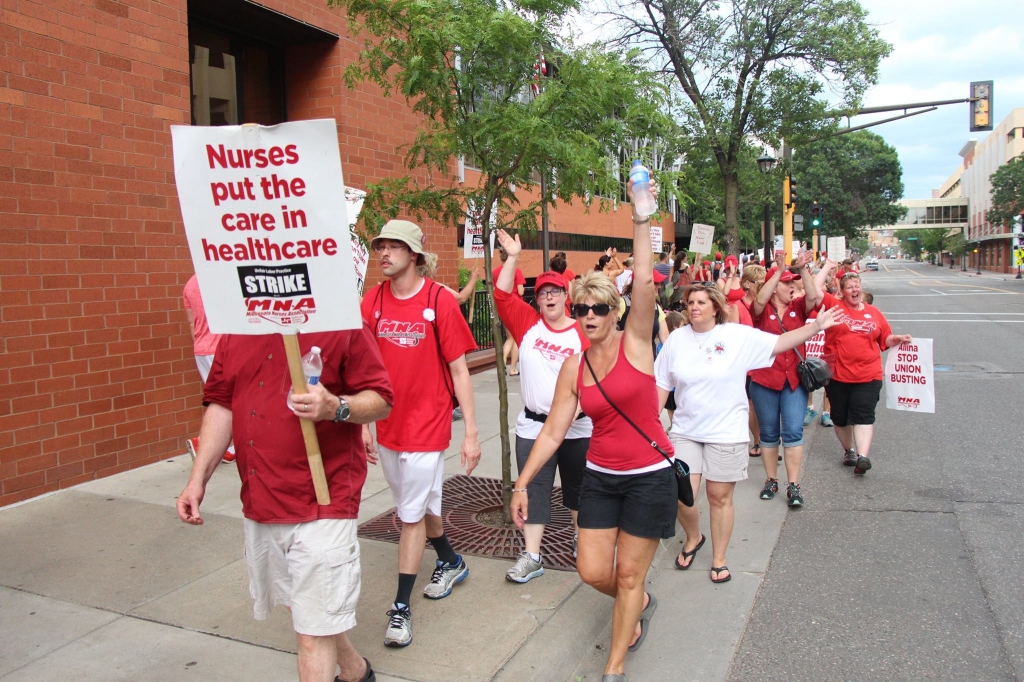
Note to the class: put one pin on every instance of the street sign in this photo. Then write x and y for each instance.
(1018, 257)
(798, 218)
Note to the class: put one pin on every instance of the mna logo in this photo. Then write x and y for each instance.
(551, 351)
(912, 403)
(402, 334)
(285, 312)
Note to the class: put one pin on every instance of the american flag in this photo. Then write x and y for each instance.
(540, 68)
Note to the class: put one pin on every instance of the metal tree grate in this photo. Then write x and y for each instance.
(468, 499)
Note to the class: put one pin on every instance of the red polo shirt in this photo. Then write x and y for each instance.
(784, 367)
(250, 378)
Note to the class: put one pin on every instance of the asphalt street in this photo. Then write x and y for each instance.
(915, 571)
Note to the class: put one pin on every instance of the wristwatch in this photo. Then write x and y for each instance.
(343, 412)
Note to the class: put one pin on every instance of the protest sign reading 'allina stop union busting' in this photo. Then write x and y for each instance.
(910, 377)
(265, 216)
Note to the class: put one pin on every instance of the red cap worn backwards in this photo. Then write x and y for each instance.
(549, 278)
(659, 277)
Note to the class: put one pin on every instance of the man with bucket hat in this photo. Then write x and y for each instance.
(423, 339)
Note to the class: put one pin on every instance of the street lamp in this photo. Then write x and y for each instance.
(766, 162)
(977, 260)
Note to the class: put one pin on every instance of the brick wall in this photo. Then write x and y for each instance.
(97, 362)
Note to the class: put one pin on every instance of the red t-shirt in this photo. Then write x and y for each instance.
(250, 378)
(205, 343)
(853, 347)
(569, 275)
(519, 279)
(421, 419)
(784, 367)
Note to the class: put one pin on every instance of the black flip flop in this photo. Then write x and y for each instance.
(688, 555)
(755, 454)
(718, 571)
(368, 676)
(645, 618)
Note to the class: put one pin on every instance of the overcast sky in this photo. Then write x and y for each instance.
(939, 47)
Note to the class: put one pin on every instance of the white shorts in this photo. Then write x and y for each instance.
(205, 364)
(416, 479)
(311, 568)
(720, 462)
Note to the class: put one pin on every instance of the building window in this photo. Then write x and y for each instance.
(234, 79)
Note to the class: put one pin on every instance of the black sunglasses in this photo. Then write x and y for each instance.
(600, 309)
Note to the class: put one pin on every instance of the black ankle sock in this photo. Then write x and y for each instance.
(444, 550)
(405, 583)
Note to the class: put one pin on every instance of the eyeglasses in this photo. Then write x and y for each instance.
(708, 285)
(381, 247)
(550, 293)
(600, 309)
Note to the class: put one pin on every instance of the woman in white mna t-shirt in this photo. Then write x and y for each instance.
(706, 363)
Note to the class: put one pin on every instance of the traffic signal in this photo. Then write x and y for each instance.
(981, 106)
(789, 193)
(816, 215)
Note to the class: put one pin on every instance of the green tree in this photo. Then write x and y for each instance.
(466, 66)
(856, 178)
(756, 69)
(1007, 192)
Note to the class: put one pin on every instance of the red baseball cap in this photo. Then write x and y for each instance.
(549, 278)
(707, 262)
(787, 276)
(731, 259)
(718, 255)
(659, 278)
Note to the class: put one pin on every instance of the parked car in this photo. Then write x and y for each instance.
(871, 264)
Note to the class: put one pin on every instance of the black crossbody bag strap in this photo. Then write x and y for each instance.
(622, 414)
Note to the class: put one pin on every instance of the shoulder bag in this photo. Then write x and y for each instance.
(813, 372)
(682, 471)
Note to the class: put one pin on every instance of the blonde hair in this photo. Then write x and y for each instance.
(847, 277)
(428, 268)
(716, 297)
(752, 274)
(595, 285)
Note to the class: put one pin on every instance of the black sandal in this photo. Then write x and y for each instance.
(718, 571)
(689, 555)
(752, 452)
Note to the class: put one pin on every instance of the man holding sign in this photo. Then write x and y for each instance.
(268, 232)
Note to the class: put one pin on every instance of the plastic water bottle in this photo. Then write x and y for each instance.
(643, 199)
(312, 367)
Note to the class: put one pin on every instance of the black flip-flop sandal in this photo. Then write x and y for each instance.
(690, 555)
(755, 454)
(718, 571)
(368, 676)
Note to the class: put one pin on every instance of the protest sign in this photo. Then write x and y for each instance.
(836, 248)
(656, 243)
(814, 347)
(354, 199)
(702, 238)
(473, 243)
(267, 226)
(910, 377)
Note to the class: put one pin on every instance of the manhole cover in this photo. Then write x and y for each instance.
(471, 510)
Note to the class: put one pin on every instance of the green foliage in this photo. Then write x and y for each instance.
(915, 243)
(466, 66)
(856, 178)
(756, 69)
(1007, 192)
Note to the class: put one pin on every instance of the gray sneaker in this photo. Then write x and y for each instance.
(399, 632)
(444, 578)
(525, 570)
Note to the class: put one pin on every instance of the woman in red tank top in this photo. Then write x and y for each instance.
(628, 495)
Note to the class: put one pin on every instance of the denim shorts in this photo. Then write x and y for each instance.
(774, 407)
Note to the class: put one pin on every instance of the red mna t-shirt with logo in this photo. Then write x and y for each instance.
(421, 416)
(250, 377)
(856, 342)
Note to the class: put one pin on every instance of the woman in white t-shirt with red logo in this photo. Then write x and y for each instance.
(706, 363)
(545, 339)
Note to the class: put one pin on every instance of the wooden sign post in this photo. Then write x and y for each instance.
(316, 462)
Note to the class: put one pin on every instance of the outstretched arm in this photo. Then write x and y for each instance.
(507, 277)
(764, 294)
(640, 322)
(792, 339)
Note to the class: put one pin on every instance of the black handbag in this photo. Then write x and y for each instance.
(813, 372)
(684, 488)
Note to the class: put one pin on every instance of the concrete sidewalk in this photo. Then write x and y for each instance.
(103, 582)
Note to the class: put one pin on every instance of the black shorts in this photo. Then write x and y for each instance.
(570, 458)
(853, 403)
(643, 505)
(670, 404)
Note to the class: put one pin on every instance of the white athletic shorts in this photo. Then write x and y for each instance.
(205, 364)
(415, 479)
(312, 568)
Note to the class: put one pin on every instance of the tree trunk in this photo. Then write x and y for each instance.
(506, 448)
(731, 236)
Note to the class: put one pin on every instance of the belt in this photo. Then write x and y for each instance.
(538, 417)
